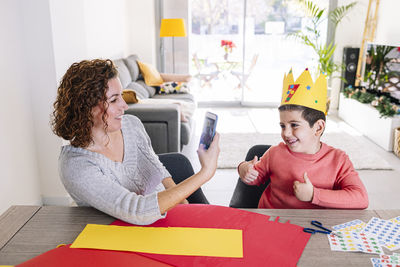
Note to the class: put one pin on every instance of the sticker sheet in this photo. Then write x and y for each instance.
(387, 232)
(355, 225)
(354, 241)
(358, 236)
(386, 261)
(395, 220)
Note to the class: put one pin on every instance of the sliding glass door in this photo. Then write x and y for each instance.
(240, 49)
(216, 48)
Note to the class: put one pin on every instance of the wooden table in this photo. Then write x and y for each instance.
(27, 231)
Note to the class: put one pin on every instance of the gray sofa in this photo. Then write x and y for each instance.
(161, 121)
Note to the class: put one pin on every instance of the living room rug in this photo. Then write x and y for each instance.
(234, 147)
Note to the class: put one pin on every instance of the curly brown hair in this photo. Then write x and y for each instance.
(83, 87)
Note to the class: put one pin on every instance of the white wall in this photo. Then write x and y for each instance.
(39, 57)
(69, 33)
(105, 28)
(388, 27)
(141, 30)
(19, 181)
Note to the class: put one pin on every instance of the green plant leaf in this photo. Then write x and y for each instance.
(340, 12)
(311, 35)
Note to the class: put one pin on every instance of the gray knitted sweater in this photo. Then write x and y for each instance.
(126, 190)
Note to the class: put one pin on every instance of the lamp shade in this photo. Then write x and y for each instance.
(172, 28)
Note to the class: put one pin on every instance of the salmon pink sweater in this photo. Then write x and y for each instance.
(336, 183)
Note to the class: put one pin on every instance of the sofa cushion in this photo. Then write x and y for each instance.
(173, 88)
(150, 89)
(123, 71)
(185, 132)
(132, 66)
(129, 96)
(187, 108)
(151, 75)
(141, 92)
(185, 97)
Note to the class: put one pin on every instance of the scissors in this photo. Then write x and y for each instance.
(319, 225)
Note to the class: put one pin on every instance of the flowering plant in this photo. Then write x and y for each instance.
(227, 45)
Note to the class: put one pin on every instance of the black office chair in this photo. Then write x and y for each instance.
(247, 196)
(180, 168)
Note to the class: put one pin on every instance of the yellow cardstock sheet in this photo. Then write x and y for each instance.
(163, 240)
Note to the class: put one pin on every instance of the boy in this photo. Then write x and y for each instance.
(303, 172)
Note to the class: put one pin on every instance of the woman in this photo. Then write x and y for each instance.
(110, 164)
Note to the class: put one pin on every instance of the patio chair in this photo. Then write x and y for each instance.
(206, 72)
(243, 77)
(247, 196)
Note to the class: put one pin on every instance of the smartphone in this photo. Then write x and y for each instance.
(210, 124)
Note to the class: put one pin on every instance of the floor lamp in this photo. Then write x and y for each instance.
(172, 28)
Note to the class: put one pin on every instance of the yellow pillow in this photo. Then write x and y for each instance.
(129, 96)
(151, 76)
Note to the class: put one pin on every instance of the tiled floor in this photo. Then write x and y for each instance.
(383, 186)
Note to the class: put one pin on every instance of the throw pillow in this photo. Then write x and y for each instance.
(151, 75)
(129, 96)
(173, 87)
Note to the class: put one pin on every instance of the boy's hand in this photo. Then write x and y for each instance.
(247, 172)
(304, 191)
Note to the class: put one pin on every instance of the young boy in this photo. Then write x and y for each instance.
(304, 172)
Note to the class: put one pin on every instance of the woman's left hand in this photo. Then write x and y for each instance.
(184, 201)
(209, 158)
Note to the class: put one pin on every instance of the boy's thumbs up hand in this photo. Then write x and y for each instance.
(304, 191)
(247, 172)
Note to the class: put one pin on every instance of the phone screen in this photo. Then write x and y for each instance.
(210, 124)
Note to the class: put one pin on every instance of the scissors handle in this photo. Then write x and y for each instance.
(309, 230)
(313, 231)
(319, 225)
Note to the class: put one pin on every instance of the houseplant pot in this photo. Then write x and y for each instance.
(367, 120)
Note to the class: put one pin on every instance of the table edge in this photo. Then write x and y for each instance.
(13, 219)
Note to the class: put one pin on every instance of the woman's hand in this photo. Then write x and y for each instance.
(209, 158)
(184, 201)
(247, 173)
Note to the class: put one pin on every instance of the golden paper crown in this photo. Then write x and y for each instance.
(304, 92)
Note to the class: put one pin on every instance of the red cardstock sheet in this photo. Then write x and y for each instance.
(76, 257)
(265, 243)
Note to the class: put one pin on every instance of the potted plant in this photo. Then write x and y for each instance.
(227, 45)
(378, 78)
(370, 108)
(311, 35)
